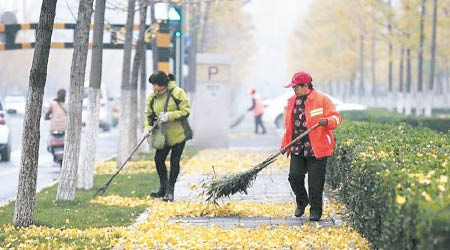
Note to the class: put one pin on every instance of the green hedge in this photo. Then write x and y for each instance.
(394, 179)
(439, 123)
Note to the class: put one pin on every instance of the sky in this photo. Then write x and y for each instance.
(274, 21)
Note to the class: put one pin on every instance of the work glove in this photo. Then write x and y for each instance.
(163, 117)
(323, 121)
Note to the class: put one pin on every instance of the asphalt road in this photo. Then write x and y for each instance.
(47, 170)
(241, 138)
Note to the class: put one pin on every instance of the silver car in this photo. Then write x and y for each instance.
(5, 133)
(105, 111)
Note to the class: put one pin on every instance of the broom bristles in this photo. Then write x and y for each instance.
(234, 183)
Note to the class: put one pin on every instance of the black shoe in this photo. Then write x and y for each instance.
(299, 211)
(314, 216)
(158, 194)
(169, 193)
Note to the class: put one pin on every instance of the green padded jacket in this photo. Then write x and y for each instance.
(178, 109)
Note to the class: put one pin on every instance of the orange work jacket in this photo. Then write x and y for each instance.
(317, 106)
(258, 109)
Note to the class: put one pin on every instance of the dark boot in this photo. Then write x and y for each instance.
(169, 193)
(299, 211)
(161, 191)
(315, 215)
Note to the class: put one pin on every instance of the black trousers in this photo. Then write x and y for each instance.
(259, 123)
(316, 169)
(175, 157)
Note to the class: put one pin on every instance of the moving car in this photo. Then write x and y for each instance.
(105, 111)
(5, 134)
(274, 111)
(15, 104)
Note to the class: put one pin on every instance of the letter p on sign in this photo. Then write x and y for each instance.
(212, 70)
(218, 73)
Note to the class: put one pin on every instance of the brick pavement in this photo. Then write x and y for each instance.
(272, 188)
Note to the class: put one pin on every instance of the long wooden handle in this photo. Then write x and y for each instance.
(283, 150)
(300, 136)
(103, 188)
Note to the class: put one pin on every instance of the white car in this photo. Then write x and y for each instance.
(274, 111)
(5, 134)
(15, 104)
(105, 112)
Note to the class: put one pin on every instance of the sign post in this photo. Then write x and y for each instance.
(211, 101)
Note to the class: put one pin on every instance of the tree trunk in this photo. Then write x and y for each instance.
(153, 42)
(69, 171)
(408, 83)
(330, 87)
(419, 106)
(123, 148)
(192, 52)
(373, 68)
(361, 90)
(352, 89)
(390, 53)
(400, 84)
(89, 140)
(142, 91)
(429, 104)
(205, 19)
(26, 193)
(135, 75)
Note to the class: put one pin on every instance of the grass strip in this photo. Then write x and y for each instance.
(80, 213)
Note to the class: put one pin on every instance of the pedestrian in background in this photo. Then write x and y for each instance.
(306, 108)
(169, 106)
(258, 110)
(57, 112)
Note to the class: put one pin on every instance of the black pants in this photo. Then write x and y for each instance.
(259, 123)
(175, 157)
(316, 169)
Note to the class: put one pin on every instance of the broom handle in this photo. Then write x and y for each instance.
(106, 185)
(283, 150)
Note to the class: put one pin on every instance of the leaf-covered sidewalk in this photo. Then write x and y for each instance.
(174, 225)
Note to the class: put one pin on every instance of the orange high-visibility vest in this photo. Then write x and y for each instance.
(317, 106)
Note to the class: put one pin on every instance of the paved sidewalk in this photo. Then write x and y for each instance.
(272, 188)
(268, 187)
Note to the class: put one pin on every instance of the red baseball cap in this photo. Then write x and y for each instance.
(299, 78)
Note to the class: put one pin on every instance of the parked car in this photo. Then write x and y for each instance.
(105, 111)
(274, 111)
(15, 104)
(5, 134)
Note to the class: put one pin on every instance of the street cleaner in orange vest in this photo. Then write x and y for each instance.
(258, 110)
(306, 108)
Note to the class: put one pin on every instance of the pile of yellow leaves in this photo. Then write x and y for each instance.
(35, 237)
(226, 161)
(161, 233)
(195, 209)
(134, 167)
(223, 161)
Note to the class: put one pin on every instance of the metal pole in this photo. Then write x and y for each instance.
(178, 59)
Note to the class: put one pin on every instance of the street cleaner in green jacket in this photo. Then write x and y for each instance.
(167, 109)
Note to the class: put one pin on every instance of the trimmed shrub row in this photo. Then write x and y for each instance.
(394, 179)
(440, 124)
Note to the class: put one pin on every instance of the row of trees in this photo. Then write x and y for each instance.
(370, 49)
(211, 25)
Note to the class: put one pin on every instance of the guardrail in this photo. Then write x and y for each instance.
(163, 39)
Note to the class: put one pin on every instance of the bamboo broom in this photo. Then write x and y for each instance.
(233, 183)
